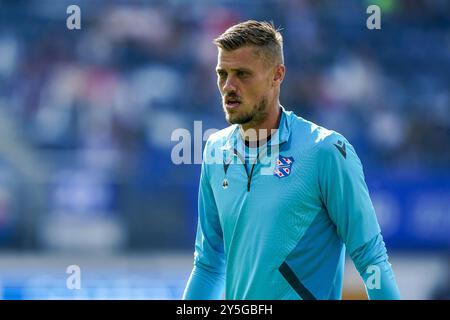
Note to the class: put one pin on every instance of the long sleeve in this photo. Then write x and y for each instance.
(346, 197)
(208, 275)
(371, 261)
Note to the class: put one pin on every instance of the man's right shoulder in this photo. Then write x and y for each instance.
(221, 137)
(217, 144)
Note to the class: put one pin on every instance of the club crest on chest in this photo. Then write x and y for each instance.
(283, 166)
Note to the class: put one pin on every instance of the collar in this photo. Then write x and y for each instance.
(279, 137)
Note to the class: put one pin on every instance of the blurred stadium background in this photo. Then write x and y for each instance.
(86, 118)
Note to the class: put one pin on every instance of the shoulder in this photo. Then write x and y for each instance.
(222, 136)
(217, 142)
(318, 137)
(329, 147)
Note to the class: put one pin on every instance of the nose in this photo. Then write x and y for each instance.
(229, 85)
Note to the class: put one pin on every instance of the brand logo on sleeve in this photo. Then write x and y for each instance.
(341, 147)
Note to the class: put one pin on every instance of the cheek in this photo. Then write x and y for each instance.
(257, 91)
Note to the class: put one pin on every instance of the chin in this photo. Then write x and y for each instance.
(231, 120)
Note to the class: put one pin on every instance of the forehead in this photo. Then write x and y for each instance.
(247, 56)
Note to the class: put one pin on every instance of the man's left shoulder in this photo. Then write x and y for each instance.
(319, 137)
(331, 144)
(330, 141)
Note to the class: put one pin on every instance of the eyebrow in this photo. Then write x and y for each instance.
(234, 69)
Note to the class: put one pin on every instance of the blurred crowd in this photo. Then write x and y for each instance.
(93, 109)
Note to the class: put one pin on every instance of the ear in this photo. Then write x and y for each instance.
(279, 73)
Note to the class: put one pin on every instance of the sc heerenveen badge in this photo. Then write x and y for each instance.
(283, 167)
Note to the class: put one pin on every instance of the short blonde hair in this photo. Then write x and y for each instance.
(262, 35)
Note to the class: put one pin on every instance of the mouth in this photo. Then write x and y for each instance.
(232, 103)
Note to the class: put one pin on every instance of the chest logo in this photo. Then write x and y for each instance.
(283, 166)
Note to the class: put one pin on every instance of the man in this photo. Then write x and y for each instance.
(279, 235)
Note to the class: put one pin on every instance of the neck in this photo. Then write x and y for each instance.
(253, 133)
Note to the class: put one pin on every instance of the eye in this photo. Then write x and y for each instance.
(241, 73)
(221, 74)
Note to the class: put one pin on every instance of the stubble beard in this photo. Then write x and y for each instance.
(251, 118)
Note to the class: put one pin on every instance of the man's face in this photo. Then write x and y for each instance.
(245, 83)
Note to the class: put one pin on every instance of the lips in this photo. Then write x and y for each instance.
(232, 103)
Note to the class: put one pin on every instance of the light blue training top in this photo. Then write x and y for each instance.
(274, 221)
